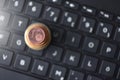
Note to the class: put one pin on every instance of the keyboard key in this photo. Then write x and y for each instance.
(57, 73)
(33, 9)
(93, 78)
(74, 75)
(117, 19)
(5, 57)
(19, 23)
(22, 62)
(54, 53)
(51, 14)
(4, 36)
(18, 42)
(117, 34)
(72, 39)
(55, 1)
(104, 30)
(107, 68)
(87, 24)
(69, 19)
(16, 5)
(40, 67)
(108, 50)
(118, 74)
(90, 44)
(89, 63)
(2, 2)
(33, 52)
(88, 10)
(10, 75)
(57, 34)
(106, 15)
(71, 58)
(119, 55)
(4, 19)
(71, 4)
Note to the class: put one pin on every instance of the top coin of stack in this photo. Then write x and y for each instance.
(37, 36)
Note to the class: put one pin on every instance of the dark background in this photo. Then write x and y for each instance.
(109, 5)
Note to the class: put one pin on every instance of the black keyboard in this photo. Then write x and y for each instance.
(84, 42)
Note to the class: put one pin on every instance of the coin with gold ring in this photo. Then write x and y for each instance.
(37, 36)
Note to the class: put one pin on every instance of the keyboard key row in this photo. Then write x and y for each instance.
(33, 10)
(40, 67)
(86, 24)
(104, 30)
(89, 45)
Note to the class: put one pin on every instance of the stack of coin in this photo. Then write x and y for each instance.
(37, 36)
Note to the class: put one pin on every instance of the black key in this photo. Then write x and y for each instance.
(5, 57)
(93, 78)
(72, 39)
(117, 19)
(22, 62)
(74, 75)
(54, 53)
(89, 63)
(72, 58)
(107, 68)
(118, 74)
(71, 4)
(18, 42)
(4, 36)
(57, 34)
(87, 24)
(33, 9)
(19, 23)
(69, 19)
(57, 73)
(117, 34)
(104, 30)
(55, 1)
(10, 75)
(4, 19)
(2, 2)
(40, 67)
(37, 53)
(88, 10)
(51, 14)
(119, 56)
(106, 15)
(108, 50)
(90, 44)
(16, 5)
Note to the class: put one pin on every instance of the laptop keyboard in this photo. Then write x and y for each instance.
(84, 40)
